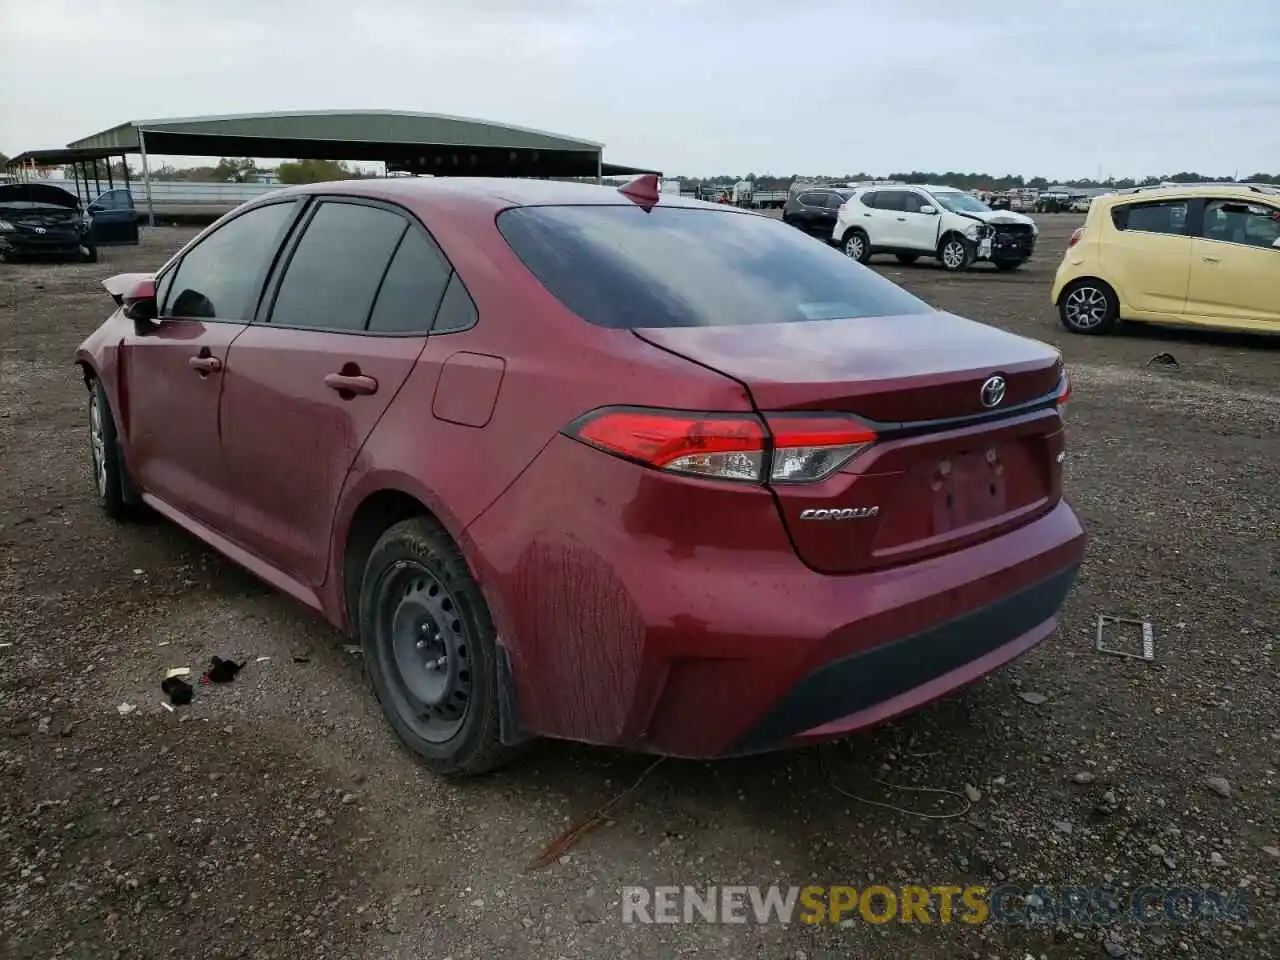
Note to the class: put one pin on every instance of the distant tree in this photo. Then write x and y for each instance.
(234, 170)
(314, 171)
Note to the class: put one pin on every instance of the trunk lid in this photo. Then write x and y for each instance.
(947, 470)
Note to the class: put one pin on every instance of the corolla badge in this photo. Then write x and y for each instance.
(41, 230)
(993, 392)
(845, 513)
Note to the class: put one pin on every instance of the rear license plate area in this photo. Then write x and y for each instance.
(968, 488)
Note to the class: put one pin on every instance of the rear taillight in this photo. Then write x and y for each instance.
(1076, 234)
(793, 448)
(808, 448)
(1064, 394)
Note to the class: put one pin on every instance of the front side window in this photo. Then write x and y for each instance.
(1247, 224)
(1158, 216)
(871, 199)
(623, 267)
(219, 277)
(337, 267)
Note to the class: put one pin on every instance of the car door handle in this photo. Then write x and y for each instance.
(902, 219)
(204, 364)
(866, 214)
(1212, 259)
(351, 383)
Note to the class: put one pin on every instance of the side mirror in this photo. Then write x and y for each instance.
(929, 209)
(140, 302)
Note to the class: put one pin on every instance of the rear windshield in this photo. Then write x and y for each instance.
(618, 266)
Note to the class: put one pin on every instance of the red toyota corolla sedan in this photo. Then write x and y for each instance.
(580, 462)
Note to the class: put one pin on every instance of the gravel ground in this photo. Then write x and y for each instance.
(277, 816)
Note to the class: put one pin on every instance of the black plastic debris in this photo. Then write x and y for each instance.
(178, 690)
(221, 671)
(1164, 359)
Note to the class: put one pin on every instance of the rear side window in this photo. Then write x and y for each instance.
(871, 199)
(811, 199)
(337, 266)
(1161, 216)
(412, 288)
(457, 309)
(834, 200)
(618, 266)
(221, 276)
(892, 200)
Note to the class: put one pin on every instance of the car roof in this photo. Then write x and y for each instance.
(490, 192)
(1187, 191)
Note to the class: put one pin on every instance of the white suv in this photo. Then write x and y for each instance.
(912, 221)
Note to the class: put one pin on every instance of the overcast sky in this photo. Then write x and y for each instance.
(693, 87)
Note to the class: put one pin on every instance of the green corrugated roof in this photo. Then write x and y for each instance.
(351, 126)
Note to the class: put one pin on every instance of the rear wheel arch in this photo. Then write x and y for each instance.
(377, 513)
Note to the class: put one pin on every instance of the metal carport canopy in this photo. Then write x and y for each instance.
(418, 142)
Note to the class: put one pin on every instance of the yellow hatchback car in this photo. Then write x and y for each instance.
(1204, 255)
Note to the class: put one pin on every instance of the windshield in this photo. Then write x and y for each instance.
(958, 202)
(625, 267)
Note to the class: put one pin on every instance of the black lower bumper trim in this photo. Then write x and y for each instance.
(856, 682)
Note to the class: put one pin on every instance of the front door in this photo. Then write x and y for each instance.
(1235, 266)
(173, 371)
(115, 219)
(1147, 250)
(919, 231)
(306, 385)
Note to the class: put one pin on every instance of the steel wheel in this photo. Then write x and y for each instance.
(98, 444)
(425, 650)
(1086, 307)
(954, 254)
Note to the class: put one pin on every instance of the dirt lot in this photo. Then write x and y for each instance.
(277, 816)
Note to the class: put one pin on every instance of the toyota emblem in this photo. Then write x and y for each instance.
(993, 392)
(41, 230)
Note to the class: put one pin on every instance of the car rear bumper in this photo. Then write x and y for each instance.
(673, 616)
(865, 688)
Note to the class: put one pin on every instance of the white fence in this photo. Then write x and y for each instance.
(176, 191)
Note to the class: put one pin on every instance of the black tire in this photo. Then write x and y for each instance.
(431, 649)
(116, 494)
(89, 254)
(1007, 265)
(856, 245)
(955, 253)
(1088, 306)
(907, 258)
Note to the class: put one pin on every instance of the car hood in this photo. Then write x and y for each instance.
(37, 193)
(1001, 216)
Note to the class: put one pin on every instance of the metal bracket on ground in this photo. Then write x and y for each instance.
(1148, 653)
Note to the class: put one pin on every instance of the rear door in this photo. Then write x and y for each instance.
(1146, 249)
(115, 219)
(890, 220)
(340, 328)
(1235, 265)
(172, 371)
